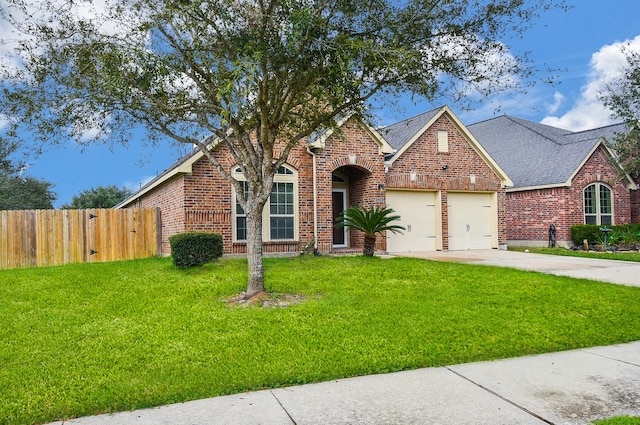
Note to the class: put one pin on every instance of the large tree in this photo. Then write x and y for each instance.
(99, 197)
(19, 191)
(25, 193)
(252, 77)
(623, 98)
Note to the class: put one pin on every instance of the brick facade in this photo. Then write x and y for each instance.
(461, 169)
(199, 199)
(170, 199)
(531, 212)
(635, 203)
(202, 200)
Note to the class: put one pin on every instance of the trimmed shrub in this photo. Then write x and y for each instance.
(191, 249)
(580, 232)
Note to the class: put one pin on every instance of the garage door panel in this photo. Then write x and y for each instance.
(417, 211)
(471, 217)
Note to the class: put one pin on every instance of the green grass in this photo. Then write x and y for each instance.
(620, 420)
(90, 338)
(624, 255)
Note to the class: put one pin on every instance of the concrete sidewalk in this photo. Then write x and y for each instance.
(612, 271)
(571, 387)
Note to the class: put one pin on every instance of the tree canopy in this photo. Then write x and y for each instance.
(18, 191)
(25, 193)
(99, 197)
(623, 98)
(255, 77)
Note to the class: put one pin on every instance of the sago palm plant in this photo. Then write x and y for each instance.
(370, 221)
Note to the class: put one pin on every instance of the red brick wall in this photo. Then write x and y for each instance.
(207, 206)
(356, 155)
(170, 199)
(530, 213)
(423, 159)
(635, 204)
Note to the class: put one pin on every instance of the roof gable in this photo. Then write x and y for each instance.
(184, 165)
(319, 138)
(404, 133)
(535, 155)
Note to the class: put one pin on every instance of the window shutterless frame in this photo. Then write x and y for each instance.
(280, 214)
(598, 204)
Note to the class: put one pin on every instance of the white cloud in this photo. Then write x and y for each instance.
(588, 111)
(108, 17)
(558, 100)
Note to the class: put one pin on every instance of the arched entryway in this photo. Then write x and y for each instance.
(350, 186)
(339, 201)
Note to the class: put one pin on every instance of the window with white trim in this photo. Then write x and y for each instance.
(598, 204)
(241, 216)
(443, 141)
(279, 216)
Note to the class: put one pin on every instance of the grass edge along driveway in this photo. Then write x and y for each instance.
(84, 339)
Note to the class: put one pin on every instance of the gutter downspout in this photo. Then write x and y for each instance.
(315, 202)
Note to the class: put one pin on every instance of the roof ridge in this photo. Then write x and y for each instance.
(414, 116)
(488, 119)
(525, 123)
(597, 128)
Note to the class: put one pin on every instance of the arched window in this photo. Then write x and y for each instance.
(598, 204)
(279, 217)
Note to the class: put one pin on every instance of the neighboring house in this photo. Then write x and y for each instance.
(559, 177)
(447, 189)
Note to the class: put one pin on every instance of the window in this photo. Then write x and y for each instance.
(241, 216)
(443, 141)
(281, 211)
(279, 215)
(598, 205)
(284, 171)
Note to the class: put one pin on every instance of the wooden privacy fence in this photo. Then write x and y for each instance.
(53, 237)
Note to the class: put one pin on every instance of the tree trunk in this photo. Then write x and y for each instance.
(254, 251)
(369, 245)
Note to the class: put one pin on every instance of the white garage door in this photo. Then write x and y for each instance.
(471, 221)
(417, 211)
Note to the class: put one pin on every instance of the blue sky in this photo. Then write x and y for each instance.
(582, 42)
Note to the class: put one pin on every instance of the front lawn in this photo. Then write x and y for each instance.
(621, 255)
(90, 338)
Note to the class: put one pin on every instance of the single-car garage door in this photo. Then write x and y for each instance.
(471, 220)
(417, 211)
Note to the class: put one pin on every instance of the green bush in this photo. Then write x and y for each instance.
(195, 248)
(580, 232)
(627, 234)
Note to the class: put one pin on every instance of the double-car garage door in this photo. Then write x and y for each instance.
(471, 219)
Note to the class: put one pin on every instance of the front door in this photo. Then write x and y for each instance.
(339, 197)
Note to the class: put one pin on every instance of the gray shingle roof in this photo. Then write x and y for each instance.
(399, 134)
(534, 154)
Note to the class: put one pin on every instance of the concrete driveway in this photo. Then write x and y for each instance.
(612, 271)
